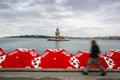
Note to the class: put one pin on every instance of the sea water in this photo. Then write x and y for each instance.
(40, 45)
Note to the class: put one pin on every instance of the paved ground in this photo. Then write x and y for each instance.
(52, 75)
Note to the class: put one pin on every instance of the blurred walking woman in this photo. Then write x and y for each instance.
(94, 59)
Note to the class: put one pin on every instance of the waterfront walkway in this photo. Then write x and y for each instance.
(36, 74)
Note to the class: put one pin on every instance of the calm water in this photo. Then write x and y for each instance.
(40, 45)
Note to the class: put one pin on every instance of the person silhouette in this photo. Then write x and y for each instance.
(94, 59)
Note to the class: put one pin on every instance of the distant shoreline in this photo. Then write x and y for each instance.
(44, 36)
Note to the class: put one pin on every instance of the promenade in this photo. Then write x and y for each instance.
(55, 74)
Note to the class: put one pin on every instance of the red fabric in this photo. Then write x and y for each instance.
(29, 58)
(26, 56)
(83, 57)
(56, 59)
(10, 62)
(20, 58)
(112, 58)
(7, 61)
(102, 61)
(2, 52)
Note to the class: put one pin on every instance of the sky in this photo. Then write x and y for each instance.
(75, 18)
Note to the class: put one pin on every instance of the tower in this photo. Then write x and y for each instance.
(57, 33)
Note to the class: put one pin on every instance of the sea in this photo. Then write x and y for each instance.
(40, 45)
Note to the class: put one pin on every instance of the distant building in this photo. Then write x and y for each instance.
(57, 35)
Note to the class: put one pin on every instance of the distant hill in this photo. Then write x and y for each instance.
(44, 36)
(30, 36)
(101, 38)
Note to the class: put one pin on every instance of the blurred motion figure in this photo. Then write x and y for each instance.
(94, 59)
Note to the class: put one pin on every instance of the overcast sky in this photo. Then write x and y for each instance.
(82, 18)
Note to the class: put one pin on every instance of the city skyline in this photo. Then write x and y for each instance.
(76, 18)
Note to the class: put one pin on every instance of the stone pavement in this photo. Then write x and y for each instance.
(57, 75)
